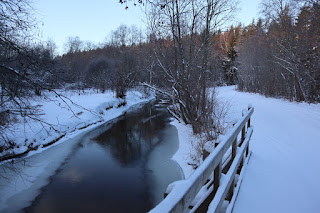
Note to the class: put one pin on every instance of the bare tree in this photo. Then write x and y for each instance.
(15, 22)
(73, 45)
(183, 32)
(24, 70)
(134, 35)
(51, 46)
(17, 79)
(100, 72)
(89, 45)
(273, 9)
(122, 36)
(126, 72)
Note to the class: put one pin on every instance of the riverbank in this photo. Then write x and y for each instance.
(187, 156)
(64, 118)
(183, 155)
(19, 186)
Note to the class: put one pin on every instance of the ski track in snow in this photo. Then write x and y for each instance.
(283, 173)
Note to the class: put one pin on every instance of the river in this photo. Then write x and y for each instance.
(123, 166)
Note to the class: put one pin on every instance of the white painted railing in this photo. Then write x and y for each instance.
(218, 186)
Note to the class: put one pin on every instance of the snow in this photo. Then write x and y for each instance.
(182, 156)
(17, 191)
(77, 111)
(238, 180)
(283, 171)
(281, 176)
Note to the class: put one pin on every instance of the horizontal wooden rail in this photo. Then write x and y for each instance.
(184, 191)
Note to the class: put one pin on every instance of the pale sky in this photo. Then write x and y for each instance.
(94, 20)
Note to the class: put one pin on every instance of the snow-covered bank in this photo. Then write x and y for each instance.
(182, 156)
(67, 117)
(187, 140)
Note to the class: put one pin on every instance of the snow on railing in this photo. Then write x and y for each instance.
(211, 183)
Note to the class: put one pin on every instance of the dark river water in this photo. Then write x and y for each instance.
(123, 166)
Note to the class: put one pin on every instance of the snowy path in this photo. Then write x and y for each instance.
(283, 173)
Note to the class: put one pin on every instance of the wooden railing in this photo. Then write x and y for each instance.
(215, 177)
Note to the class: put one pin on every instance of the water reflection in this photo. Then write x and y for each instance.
(110, 170)
(132, 137)
(73, 176)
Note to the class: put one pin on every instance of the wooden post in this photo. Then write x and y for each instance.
(205, 154)
(243, 134)
(234, 149)
(249, 123)
(230, 192)
(233, 155)
(217, 177)
(216, 183)
(240, 166)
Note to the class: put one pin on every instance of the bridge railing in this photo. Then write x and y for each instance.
(216, 185)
